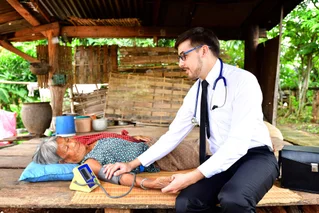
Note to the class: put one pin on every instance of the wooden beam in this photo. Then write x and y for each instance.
(13, 26)
(156, 8)
(142, 32)
(119, 32)
(9, 16)
(23, 12)
(31, 31)
(11, 48)
(35, 37)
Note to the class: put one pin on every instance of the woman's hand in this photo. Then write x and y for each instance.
(160, 182)
(181, 181)
(142, 138)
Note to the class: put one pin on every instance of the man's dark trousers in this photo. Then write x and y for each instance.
(237, 190)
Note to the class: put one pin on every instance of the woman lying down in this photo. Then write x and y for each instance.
(114, 149)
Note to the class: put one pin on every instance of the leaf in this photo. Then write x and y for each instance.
(4, 96)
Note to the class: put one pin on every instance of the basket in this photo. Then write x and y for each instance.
(39, 68)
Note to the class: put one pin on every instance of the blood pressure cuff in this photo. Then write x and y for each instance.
(114, 179)
(299, 168)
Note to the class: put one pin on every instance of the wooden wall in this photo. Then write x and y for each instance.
(268, 77)
(150, 61)
(65, 63)
(145, 99)
(93, 64)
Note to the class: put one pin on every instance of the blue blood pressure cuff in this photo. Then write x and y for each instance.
(141, 168)
(114, 179)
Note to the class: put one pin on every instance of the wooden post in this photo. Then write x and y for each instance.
(57, 92)
(53, 51)
(251, 44)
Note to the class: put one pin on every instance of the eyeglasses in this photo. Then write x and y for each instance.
(183, 55)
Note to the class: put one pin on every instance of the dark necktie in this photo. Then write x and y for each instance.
(204, 123)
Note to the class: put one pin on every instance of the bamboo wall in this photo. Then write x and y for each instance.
(92, 103)
(145, 99)
(150, 61)
(93, 64)
(65, 64)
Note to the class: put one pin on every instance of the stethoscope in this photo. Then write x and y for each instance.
(220, 77)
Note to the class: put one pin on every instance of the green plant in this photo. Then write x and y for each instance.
(15, 69)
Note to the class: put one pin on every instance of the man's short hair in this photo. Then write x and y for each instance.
(199, 36)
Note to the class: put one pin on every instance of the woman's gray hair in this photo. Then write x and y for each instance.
(46, 152)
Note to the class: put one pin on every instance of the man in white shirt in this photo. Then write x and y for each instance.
(242, 167)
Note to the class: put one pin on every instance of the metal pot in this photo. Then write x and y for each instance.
(99, 124)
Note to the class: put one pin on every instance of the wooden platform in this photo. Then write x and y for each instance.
(14, 194)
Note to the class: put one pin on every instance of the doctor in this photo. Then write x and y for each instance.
(242, 167)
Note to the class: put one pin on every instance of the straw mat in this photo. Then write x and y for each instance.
(140, 197)
(277, 195)
(137, 196)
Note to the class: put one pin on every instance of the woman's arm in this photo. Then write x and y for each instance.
(148, 183)
(94, 165)
(127, 178)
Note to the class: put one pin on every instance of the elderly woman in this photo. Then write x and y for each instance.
(107, 151)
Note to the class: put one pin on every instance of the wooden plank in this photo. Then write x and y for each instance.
(91, 74)
(98, 65)
(14, 162)
(81, 75)
(105, 64)
(36, 29)
(268, 82)
(9, 16)
(33, 37)
(132, 60)
(41, 10)
(120, 32)
(148, 50)
(23, 12)
(19, 150)
(113, 50)
(13, 26)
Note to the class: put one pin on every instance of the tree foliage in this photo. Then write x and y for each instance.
(299, 50)
(15, 68)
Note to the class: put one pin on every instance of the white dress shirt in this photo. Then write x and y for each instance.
(235, 126)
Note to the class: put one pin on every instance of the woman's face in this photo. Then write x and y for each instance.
(70, 150)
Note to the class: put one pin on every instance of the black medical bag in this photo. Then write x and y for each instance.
(299, 168)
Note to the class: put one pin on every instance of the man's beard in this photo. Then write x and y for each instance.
(197, 71)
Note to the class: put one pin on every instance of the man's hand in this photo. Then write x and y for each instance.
(142, 138)
(181, 181)
(116, 169)
(119, 168)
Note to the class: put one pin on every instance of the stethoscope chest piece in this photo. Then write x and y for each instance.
(194, 121)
